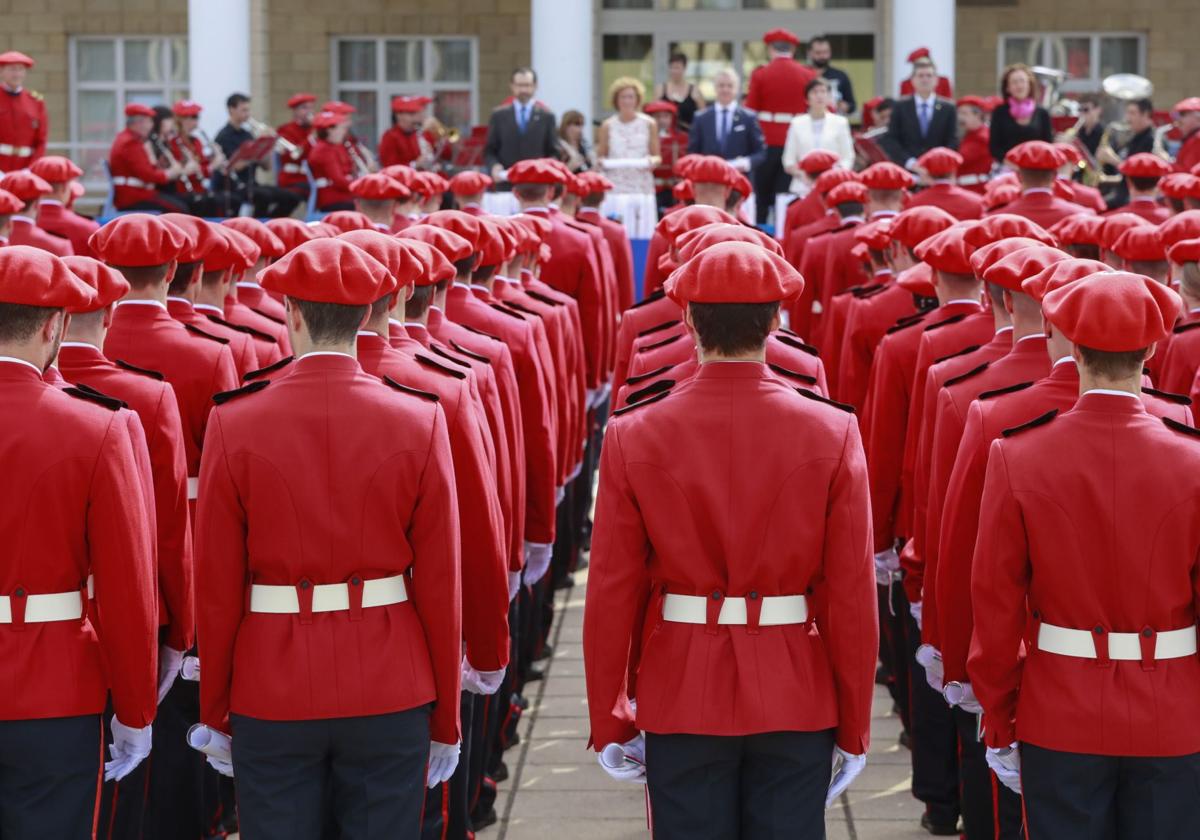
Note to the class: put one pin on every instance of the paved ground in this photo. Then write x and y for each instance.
(555, 789)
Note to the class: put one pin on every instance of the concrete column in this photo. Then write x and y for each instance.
(563, 35)
(921, 23)
(218, 56)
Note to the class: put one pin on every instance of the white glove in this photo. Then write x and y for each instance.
(741, 164)
(443, 759)
(190, 670)
(1006, 764)
(915, 609)
(514, 585)
(625, 762)
(930, 658)
(846, 772)
(886, 563)
(480, 682)
(962, 695)
(216, 746)
(169, 663)
(537, 561)
(128, 749)
(560, 493)
(625, 163)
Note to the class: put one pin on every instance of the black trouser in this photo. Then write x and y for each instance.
(367, 772)
(267, 201)
(893, 647)
(990, 811)
(934, 740)
(447, 813)
(203, 203)
(161, 203)
(49, 777)
(1073, 796)
(122, 809)
(755, 787)
(336, 205)
(769, 179)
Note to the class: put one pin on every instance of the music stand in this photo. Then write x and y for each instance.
(258, 150)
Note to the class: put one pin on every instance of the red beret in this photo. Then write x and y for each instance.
(1069, 152)
(14, 57)
(202, 236)
(673, 226)
(348, 220)
(661, 106)
(975, 102)
(389, 251)
(817, 161)
(495, 246)
(1006, 177)
(427, 184)
(1192, 103)
(1116, 224)
(741, 184)
(137, 109)
(886, 176)
(873, 103)
(291, 232)
(1140, 244)
(682, 164)
(940, 161)
(535, 171)
(469, 182)
(540, 225)
(108, 283)
(1035, 154)
(138, 239)
(1001, 195)
(847, 192)
(734, 272)
(875, 235)
(1144, 165)
(25, 185)
(452, 246)
(1004, 225)
(298, 99)
(576, 186)
(682, 191)
(1114, 311)
(269, 245)
(337, 106)
(993, 252)
(918, 279)
(1078, 229)
(525, 239)
(9, 203)
(186, 108)
(435, 268)
(1014, 269)
(1185, 225)
(694, 241)
(595, 182)
(916, 224)
(328, 119)
(947, 251)
(243, 252)
(1059, 274)
(321, 230)
(33, 277)
(329, 271)
(1179, 185)
(409, 104)
(918, 53)
(830, 178)
(779, 35)
(710, 169)
(1184, 251)
(55, 169)
(464, 224)
(400, 172)
(378, 187)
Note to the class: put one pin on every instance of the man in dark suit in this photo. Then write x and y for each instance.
(521, 130)
(726, 129)
(921, 121)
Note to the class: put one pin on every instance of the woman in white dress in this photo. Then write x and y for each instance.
(820, 128)
(627, 144)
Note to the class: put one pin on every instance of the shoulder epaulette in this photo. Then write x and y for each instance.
(1176, 426)
(1182, 328)
(813, 395)
(1168, 396)
(512, 304)
(797, 344)
(793, 374)
(271, 368)
(953, 319)
(961, 352)
(653, 374)
(871, 291)
(650, 390)
(963, 377)
(153, 374)
(511, 313)
(252, 388)
(470, 354)
(850, 290)
(449, 357)
(657, 294)
(999, 392)
(665, 325)
(905, 322)
(242, 328)
(644, 402)
(86, 392)
(1032, 424)
(788, 331)
(658, 344)
(546, 299)
(36, 95)
(268, 316)
(482, 333)
(414, 391)
(439, 367)
(194, 330)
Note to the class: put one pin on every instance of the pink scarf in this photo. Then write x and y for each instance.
(1021, 109)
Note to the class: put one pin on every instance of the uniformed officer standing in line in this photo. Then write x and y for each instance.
(23, 123)
(728, 595)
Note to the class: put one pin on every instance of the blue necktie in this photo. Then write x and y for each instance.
(724, 126)
(522, 117)
(923, 116)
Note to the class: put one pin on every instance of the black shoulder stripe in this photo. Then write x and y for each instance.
(153, 374)
(269, 369)
(1168, 396)
(449, 357)
(511, 313)
(1182, 328)
(644, 377)
(482, 333)
(850, 290)
(813, 395)
(650, 390)
(546, 299)
(512, 304)
(470, 354)
(953, 319)
(269, 317)
(871, 291)
(1176, 426)
(905, 323)
(657, 294)
(644, 402)
(86, 392)
(414, 391)
(658, 344)
(963, 377)
(665, 325)
(1032, 424)
(797, 344)
(242, 328)
(194, 330)
(252, 388)
(961, 352)
(1011, 389)
(439, 367)
(793, 374)
(788, 331)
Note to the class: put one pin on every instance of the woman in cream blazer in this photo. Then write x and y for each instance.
(834, 136)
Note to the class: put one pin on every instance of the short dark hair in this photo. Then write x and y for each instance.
(849, 208)
(678, 58)
(1083, 250)
(531, 192)
(182, 278)
(816, 82)
(1145, 105)
(211, 278)
(783, 46)
(382, 305)
(1089, 99)
(995, 293)
(921, 63)
(236, 99)
(592, 199)
(886, 104)
(329, 323)
(419, 303)
(141, 276)
(1036, 177)
(1113, 364)
(731, 201)
(376, 205)
(19, 322)
(1149, 268)
(484, 273)
(732, 329)
(1143, 184)
(463, 267)
(517, 71)
(818, 39)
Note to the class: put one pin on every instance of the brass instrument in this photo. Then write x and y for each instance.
(164, 151)
(283, 146)
(1123, 88)
(215, 154)
(362, 157)
(432, 152)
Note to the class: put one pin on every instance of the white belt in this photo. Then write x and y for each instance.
(15, 151)
(321, 183)
(969, 180)
(58, 606)
(1170, 644)
(771, 116)
(294, 168)
(327, 597)
(777, 609)
(193, 487)
(128, 181)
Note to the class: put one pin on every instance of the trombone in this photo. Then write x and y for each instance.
(283, 146)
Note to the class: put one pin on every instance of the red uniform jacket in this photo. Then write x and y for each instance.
(240, 344)
(652, 276)
(1086, 532)
(711, 527)
(399, 147)
(265, 347)
(1042, 207)
(332, 172)
(67, 224)
(1182, 357)
(609, 294)
(72, 505)
(975, 148)
(652, 311)
(256, 297)
(867, 322)
(1147, 208)
(798, 236)
(282, 502)
(154, 401)
(1086, 196)
(257, 315)
(134, 170)
(822, 263)
(840, 306)
(24, 126)
(777, 92)
(25, 232)
(622, 252)
(802, 211)
(958, 202)
(1189, 153)
(291, 166)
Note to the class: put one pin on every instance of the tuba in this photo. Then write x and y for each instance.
(1121, 88)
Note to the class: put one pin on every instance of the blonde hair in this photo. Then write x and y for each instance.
(621, 84)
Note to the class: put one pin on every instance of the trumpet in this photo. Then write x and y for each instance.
(283, 146)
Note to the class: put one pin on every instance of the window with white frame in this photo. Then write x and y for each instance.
(369, 71)
(1086, 57)
(108, 73)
